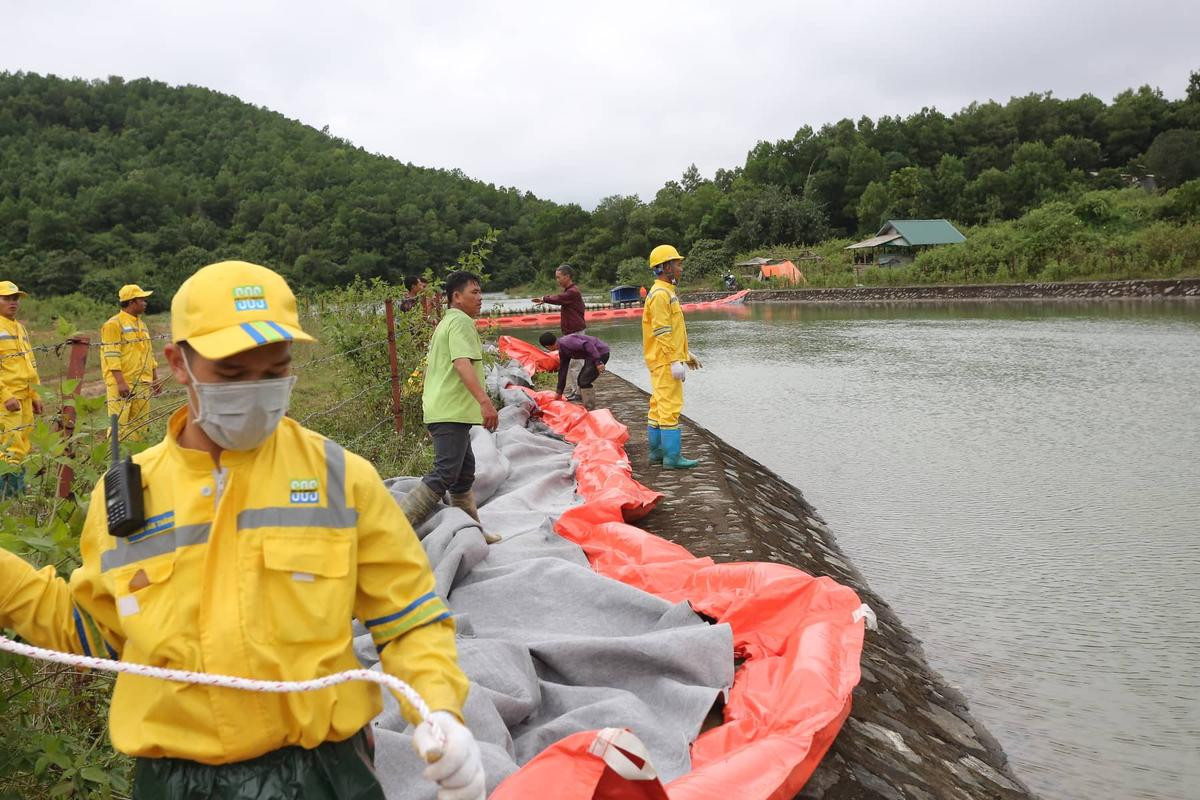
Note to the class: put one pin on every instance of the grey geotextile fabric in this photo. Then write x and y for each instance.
(551, 647)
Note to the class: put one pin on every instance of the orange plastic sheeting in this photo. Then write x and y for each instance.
(602, 469)
(795, 632)
(551, 319)
(784, 269)
(574, 768)
(532, 358)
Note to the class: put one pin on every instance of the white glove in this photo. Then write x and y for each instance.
(679, 371)
(458, 769)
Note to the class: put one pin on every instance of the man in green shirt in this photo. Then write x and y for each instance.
(454, 400)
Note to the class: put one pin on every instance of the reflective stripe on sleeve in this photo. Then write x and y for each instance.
(92, 641)
(81, 632)
(425, 610)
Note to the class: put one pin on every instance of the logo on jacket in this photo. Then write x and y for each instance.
(249, 298)
(306, 491)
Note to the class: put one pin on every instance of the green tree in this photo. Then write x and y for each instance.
(1036, 172)
(874, 206)
(1077, 153)
(944, 189)
(771, 214)
(866, 165)
(706, 258)
(1133, 120)
(1174, 157)
(906, 188)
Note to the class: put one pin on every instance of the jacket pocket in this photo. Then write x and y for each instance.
(146, 607)
(307, 586)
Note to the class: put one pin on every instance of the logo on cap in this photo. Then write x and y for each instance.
(249, 298)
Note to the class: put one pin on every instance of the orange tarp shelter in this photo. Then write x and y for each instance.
(782, 269)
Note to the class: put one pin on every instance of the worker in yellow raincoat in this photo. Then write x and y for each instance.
(665, 348)
(130, 369)
(19, 401)
(262, 541)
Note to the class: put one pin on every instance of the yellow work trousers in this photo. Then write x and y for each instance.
(133, 411)
(666, 398)
(14, 431)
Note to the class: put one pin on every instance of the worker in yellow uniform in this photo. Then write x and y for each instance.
(130, 370)
(261, 541)
(19, 401)
(665, 348)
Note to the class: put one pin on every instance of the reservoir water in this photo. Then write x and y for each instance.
(1021, 481)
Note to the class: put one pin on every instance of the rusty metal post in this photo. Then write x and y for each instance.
(76, 367)
(397, 409)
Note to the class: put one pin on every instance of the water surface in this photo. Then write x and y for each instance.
(1021, 481)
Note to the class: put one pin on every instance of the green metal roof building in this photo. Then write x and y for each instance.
(912, 233)
(899, 239)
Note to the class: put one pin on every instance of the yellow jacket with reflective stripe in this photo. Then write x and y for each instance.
(664, 336)
(257, 572)
(125, 345)
(18, 367)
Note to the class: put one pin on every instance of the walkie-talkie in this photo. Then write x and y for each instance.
(123, 490)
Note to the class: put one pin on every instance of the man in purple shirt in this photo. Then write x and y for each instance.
(588, 349)
(570, 319)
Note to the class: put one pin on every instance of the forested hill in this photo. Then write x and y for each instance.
(106, 181)
(103, 182)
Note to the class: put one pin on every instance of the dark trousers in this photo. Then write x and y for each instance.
(453, 461)
(330, 771)
(589, 373)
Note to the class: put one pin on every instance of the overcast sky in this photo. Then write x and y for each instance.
(576, 103)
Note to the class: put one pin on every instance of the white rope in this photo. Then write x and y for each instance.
(229, 681)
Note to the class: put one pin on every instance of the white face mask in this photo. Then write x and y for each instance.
(240, 415)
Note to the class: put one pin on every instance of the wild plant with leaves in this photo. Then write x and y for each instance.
(55, 741)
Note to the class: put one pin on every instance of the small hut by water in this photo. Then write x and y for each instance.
(899, 241)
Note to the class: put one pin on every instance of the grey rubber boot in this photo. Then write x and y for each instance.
(419, 503)
(588, 397)
(466, 501)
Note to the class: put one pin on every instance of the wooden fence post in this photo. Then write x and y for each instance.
(76, 367)
(397, 409)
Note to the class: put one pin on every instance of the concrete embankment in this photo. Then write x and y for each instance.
(909, 735)
(1180, 288)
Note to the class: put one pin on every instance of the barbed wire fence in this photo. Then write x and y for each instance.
(357, 397)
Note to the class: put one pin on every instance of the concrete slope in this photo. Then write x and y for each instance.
(909, 734)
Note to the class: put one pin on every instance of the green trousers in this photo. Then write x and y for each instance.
(331, 771)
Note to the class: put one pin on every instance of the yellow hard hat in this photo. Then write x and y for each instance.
(234, 306)
(8, 287)
(131, 291)
(662, 254)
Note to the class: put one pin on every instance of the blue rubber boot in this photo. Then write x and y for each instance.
(656, 450)
(671, 457)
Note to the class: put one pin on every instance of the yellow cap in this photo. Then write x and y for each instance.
(662, 254)
(131, 291)
(234, 306)
(8, 287)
